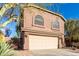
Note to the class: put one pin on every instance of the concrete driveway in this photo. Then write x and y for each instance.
(54, 52)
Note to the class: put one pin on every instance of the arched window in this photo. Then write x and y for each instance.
(55, 24)
(39, 20)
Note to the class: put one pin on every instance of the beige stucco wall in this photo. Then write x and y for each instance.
(29, 15)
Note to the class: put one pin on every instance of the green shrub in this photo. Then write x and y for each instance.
(5, 49)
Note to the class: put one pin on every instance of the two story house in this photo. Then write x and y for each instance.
(42, 29)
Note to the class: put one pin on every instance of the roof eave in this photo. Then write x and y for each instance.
(35, 6)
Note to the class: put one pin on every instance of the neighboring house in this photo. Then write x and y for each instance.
(42, 29)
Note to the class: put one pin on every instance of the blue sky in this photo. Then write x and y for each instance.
(68, 10)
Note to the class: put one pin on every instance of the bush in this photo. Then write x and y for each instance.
(5, 49)
(14, 43)
(76, 45)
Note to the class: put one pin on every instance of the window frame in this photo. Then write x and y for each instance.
(52, 26)
(36, 25)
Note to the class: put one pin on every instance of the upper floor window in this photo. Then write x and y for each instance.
(39, 20)
(55, 24)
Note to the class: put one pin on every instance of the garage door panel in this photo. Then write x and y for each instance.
(42, 42)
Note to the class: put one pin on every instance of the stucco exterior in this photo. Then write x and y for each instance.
(29, 28)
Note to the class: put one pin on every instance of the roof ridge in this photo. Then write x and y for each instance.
(35, 6)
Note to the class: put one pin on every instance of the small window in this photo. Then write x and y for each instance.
(39, 20)
(55, 24)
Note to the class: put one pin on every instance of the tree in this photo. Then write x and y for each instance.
(4, 8)
(4, 12)
(8, 32)
(2, 38)
(72, 29)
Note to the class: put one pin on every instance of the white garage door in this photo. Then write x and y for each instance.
(42, 42)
